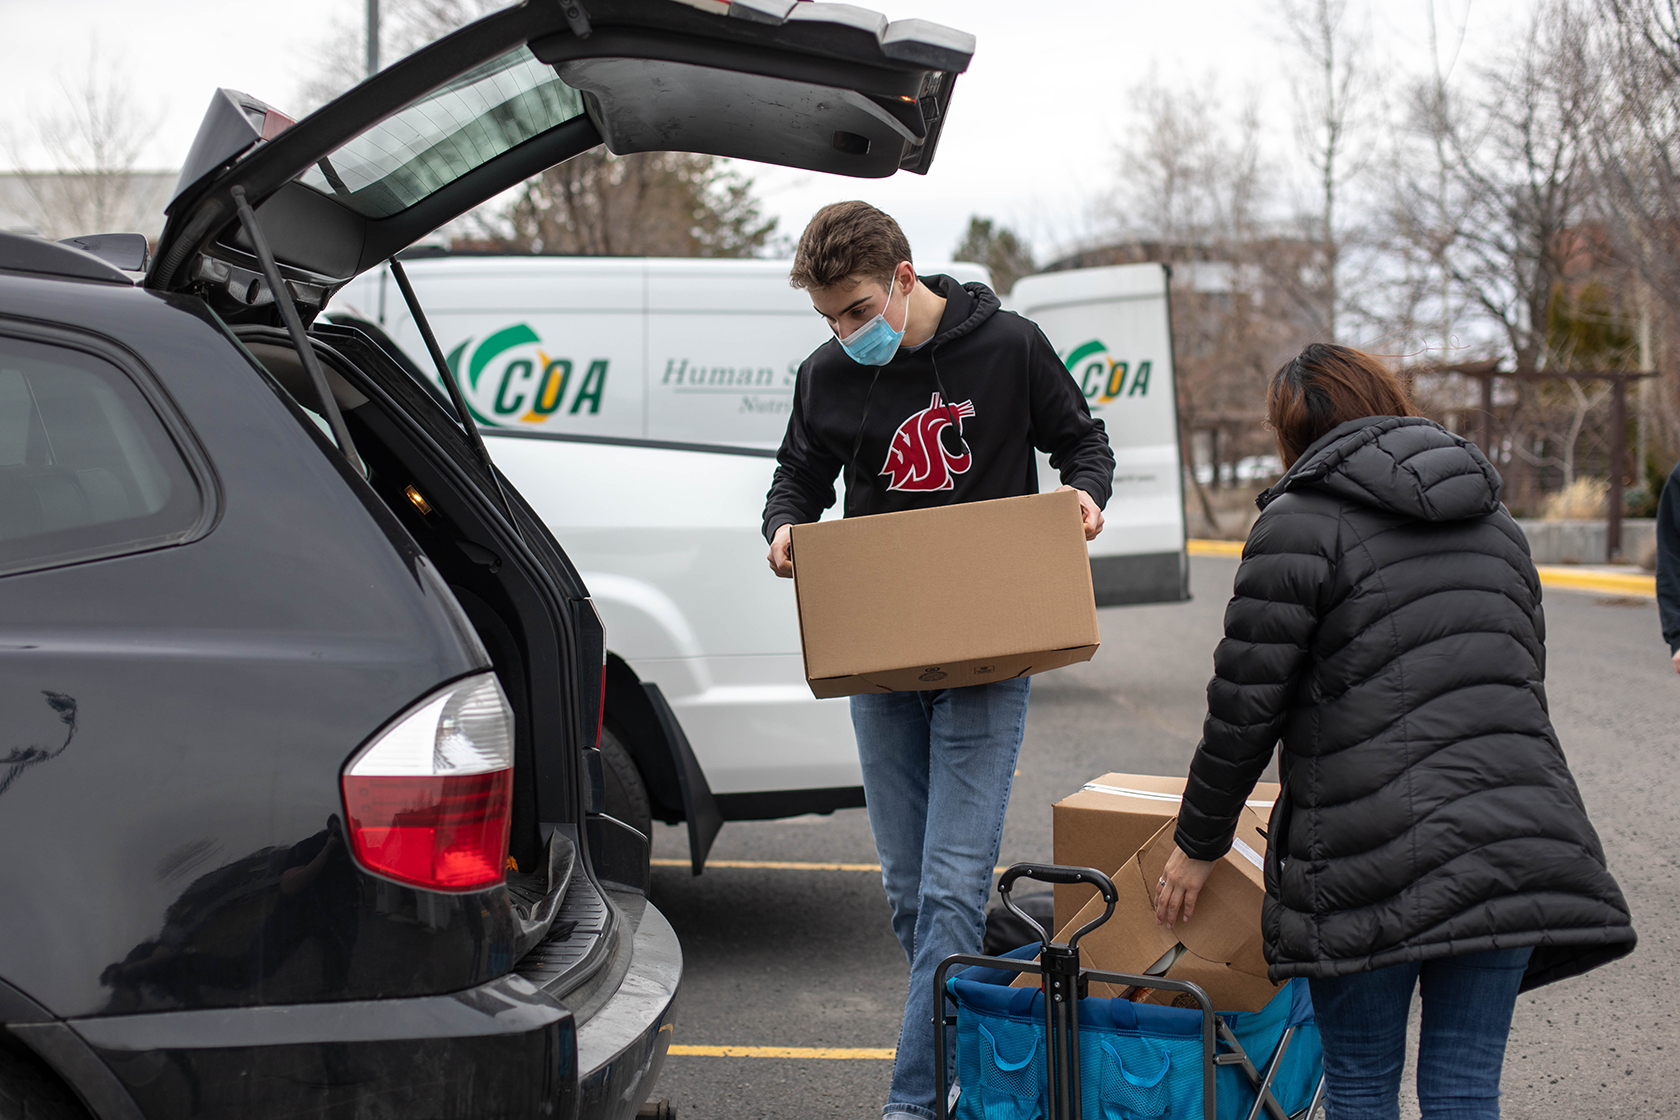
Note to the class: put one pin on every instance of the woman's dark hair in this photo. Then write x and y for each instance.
(1327, 385)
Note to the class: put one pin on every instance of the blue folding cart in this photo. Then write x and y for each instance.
(1052, 1053)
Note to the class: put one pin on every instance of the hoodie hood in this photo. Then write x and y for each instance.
(1402, 464)
(966, 307)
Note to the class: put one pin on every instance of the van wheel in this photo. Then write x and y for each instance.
(627, 798)
(30, 1091)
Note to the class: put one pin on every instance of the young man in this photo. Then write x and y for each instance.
(928, 394)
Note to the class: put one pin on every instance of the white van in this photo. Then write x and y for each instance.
(637, 405)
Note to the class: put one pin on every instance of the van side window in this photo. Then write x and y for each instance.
(86, 467)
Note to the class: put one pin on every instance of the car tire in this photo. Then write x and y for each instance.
(29, 1090)
(627, 797)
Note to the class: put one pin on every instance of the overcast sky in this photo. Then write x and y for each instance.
(1031, 138)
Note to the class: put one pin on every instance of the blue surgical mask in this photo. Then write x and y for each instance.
(875, 343)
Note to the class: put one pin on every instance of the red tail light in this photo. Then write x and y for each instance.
(429, 799)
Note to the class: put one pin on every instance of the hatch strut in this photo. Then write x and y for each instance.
(294, 327)
(456, 397)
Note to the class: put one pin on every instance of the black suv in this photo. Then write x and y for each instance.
(300, 798)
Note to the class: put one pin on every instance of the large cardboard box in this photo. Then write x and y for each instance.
(1104, 824)
(1224, 952)
(944, 597)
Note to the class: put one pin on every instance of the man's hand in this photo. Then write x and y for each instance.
(781, 552)
(1180, 883)
(1088, 512)
(1677, 661)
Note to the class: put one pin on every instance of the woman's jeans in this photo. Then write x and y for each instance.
(937, 767)
(1467, 1004)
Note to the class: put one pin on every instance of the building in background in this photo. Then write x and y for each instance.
(57, 204)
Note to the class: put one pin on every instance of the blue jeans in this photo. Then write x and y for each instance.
(1467, 1004)
(937, 768)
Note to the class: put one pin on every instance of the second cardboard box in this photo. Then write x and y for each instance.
(1223, 951)
(1104, 824)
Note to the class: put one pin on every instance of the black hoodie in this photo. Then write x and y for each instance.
(898, 440)
(1386, 626)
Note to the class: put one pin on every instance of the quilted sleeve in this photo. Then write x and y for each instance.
(1280, 593)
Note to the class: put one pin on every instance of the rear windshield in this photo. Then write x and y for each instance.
(436, 140)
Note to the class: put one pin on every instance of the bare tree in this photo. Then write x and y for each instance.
(1493, 198)
(90, 140)
(1634, 144)
(404, 27)
(1191, 193)
(1331, 98)
(670, 204)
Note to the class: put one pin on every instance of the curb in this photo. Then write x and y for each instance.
(1213, 548)
(1551, 575)
(1586, 579)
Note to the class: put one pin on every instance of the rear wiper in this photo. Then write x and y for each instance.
(456, 397)
(294, 328)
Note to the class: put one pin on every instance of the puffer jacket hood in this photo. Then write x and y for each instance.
(1386, 638)
(1402, 464)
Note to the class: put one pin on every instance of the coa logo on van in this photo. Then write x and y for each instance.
(510, 379)
(1103, 377)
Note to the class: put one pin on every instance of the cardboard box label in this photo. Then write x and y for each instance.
(944, 597)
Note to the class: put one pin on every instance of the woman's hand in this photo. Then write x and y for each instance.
(1180, 883)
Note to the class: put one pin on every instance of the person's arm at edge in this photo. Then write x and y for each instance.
(803, 485)
(1668, 564)
(1062, 426)
(1269, 624)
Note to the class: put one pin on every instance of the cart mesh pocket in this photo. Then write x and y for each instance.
(1128, 1076)
(1133, 1085)
(1011, 1072)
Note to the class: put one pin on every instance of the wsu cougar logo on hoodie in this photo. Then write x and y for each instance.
(916, 459)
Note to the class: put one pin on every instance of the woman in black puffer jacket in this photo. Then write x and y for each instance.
(1386, 627)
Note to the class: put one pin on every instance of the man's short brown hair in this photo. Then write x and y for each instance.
(1327, 385)
(847, 239)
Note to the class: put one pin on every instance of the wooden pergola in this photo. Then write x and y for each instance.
(1488, 371)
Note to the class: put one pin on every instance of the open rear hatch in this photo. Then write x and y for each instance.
(826, 87)
(267, 207)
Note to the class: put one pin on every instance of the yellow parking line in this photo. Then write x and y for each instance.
(1551, 575)
(770, 865)
(784, 865)
(880, 1054)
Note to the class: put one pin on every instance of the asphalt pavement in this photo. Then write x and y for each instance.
(802, 961)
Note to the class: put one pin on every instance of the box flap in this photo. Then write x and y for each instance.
(1226, 927)
(1229, 989)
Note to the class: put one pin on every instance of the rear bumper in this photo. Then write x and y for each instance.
(621, 1048)
(503, 1049)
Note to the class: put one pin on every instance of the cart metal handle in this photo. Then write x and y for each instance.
(1064, 876)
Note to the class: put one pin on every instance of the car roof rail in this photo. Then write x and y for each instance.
(21, 252)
